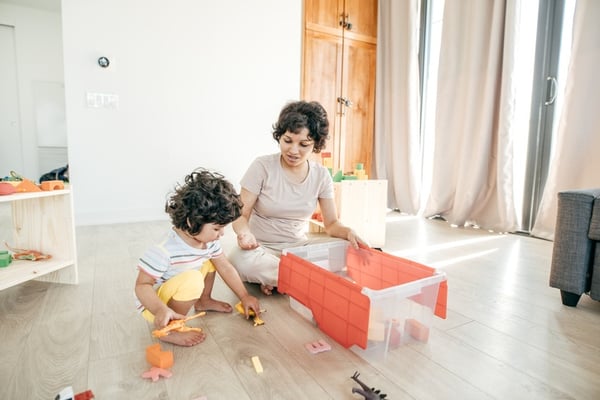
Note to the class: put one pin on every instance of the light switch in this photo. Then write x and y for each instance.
(102, 100)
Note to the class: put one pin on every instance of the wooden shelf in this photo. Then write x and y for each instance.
(42, 221)
(361, 205)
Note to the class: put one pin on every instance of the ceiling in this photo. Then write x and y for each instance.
(48, 5)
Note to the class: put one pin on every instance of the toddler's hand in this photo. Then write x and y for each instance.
(251, 302)
(164, 316)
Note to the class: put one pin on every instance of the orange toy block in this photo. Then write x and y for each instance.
(52, 185)
(417, 330)
(158, 358)
(27, 186)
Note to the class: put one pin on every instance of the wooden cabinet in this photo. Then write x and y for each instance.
(41, 221)
(340, 51)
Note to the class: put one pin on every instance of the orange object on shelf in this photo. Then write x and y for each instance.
(27, 186)
(7, 188)
(52, 185)
(158, 358)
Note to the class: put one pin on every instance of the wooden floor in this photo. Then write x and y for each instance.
(507, 336)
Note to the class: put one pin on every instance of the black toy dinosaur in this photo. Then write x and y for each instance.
(365, 391)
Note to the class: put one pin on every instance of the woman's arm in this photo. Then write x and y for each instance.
(333, 226)
(245, 238)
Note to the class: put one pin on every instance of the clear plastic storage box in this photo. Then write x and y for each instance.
(366, 300)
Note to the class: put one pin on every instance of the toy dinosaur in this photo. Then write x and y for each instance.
(257, 321)
(365, 391)
(31, 255)
(177, 325)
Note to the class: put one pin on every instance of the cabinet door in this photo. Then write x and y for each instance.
(362, 17)
(324, 15)
(338, 69)
(321, 81)
(358, 119)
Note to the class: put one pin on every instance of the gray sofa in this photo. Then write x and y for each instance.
(575, 267)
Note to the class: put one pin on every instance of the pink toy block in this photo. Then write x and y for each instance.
(318, 346)
(155, 373)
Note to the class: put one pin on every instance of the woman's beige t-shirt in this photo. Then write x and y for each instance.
(283, 208)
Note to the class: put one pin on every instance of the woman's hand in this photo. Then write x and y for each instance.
(247, 241)
(355, 240)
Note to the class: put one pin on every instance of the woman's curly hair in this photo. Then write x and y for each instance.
(205, 197)
(304, 114)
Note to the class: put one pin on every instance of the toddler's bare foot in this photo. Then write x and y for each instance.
(266, 289)
(213, 305)
(189, 338)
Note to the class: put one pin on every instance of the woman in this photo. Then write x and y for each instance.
(281, 191)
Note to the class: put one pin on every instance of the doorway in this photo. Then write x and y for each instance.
(11, 150)
(33, 134)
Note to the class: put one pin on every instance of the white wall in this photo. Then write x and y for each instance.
(199, 83)
(39, 64)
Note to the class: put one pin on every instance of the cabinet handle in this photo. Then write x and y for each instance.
(344, 22)
(344, 101)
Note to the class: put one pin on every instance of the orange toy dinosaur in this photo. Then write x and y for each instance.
(177, 325)
(31, 255)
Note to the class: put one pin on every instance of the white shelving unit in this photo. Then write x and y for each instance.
(361, 205)
(41, 221)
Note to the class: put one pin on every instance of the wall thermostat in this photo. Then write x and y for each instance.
(103, 62)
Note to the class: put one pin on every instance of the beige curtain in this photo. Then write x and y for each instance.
(472, 175)
(575, 163)
(396, 153)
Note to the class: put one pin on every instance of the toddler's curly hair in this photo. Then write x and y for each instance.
(205, 197)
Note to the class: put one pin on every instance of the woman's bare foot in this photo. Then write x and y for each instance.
(211, 304)
(266, 289)
(189, 338)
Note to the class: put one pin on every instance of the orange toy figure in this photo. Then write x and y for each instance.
(177, 325)
(255, 318)
(31, 255)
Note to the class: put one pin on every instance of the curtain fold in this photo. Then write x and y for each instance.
(396, 153)
(472, 175)
(575, 163)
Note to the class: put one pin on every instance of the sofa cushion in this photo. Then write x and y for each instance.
(594, 232)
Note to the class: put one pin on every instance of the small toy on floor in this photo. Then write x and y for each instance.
(67, 394)
(158, 358)
(257, 365)
(156, 373)
(257, 321)
(318, 347)
(365, 391)
(160, 362)
(177, 325)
